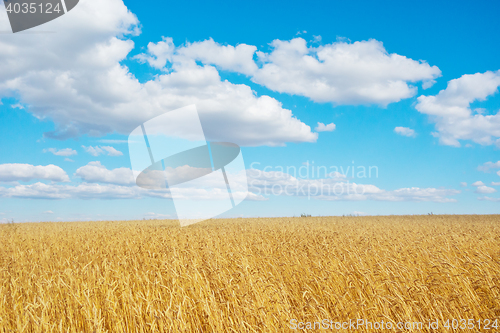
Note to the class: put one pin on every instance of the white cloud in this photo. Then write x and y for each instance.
(463, 184)
(17, 106)
(83, 191)
(478, 183)
(112, 192)
(93, 151)
(405, 131)
(95, 172)
(489, 165)
(61, 152)
(102, 150)
(28, 172)
(118, 186)
(341, 73)
(334, 189)
(48, 212)
(158, 54)
(489, 199)
(247, 119)
(226, 57)
(359, 213)
(485, 190)
(450, 110)
(428, 83)
(206, 188)
(495, 183)
(325, 128)
(111, 151)
(80, 84)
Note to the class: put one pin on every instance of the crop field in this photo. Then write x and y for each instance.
(251, 275)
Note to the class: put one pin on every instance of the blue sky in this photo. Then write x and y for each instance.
(410, 89)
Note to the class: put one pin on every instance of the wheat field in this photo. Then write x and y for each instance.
(249, 275)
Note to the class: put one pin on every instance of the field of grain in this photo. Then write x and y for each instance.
(248, 275)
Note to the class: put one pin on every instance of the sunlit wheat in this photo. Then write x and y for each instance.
(247, 275)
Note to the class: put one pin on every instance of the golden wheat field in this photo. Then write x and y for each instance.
(251, 275)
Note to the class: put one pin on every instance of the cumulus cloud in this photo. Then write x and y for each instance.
(450, 110)
(206, 188)
(61, 152)
(341, 73)
(88, 191)
(95, 172)
(489, 199)
(158, 53)
(325, 128)
(102, 150)
(495, 183)
(246, 118)
(82, 191)
(463, 184)
(101, 183)
(478, 183)
(405, 131)
(226, 57)
(27, 172)
(111, 151)
(17, 106)
(334, 189)
(82, 86)
(317, 39)
(485, 189)
(486, 167)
